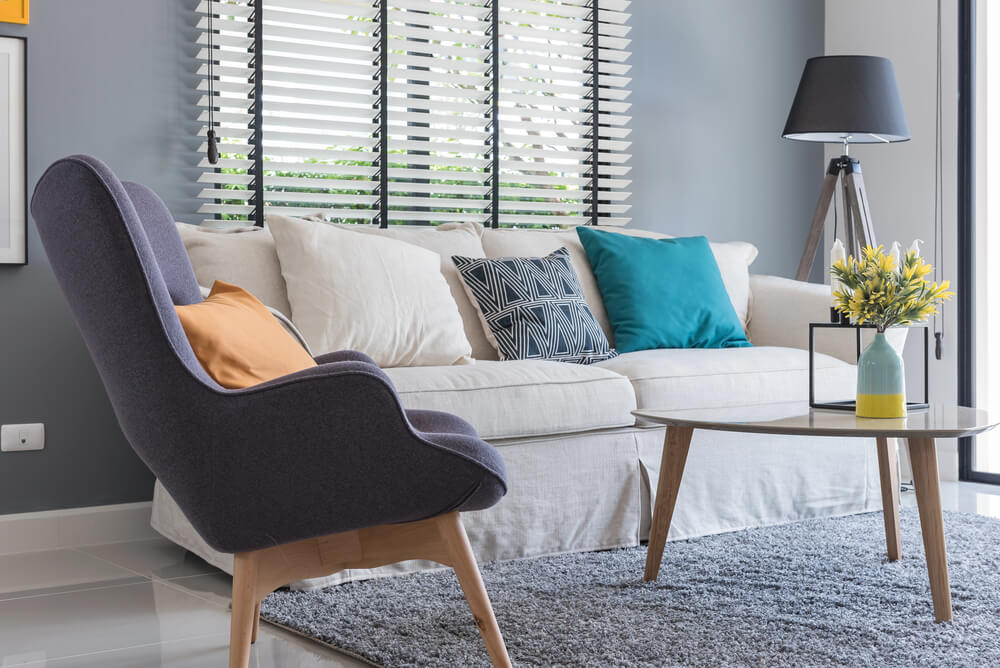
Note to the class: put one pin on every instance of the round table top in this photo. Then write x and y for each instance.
(797, 418)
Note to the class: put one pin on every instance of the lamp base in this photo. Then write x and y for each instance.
(857, 217)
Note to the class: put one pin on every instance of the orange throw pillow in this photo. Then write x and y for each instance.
(238, 341)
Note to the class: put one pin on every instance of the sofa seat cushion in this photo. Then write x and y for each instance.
(705, 378)
(520, 398)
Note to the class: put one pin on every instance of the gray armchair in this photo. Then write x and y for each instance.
(302, 476)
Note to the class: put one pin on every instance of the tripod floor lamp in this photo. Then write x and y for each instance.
(845, 100)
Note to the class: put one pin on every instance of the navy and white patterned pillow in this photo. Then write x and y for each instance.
(534, 308)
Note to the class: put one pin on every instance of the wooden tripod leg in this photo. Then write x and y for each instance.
(889, 476)
(860, 198)
(858, 221)
(854, 245)
(675, 451)
(244, 606)
(464, 563)
(816, 229)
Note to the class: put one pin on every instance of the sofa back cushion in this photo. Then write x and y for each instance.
(246, 256)
(446, 240)
(734, 259)
(662, 293)
(381, 296)
(242, 256)
(534, 308)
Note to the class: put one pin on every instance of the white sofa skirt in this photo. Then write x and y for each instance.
(592, 491)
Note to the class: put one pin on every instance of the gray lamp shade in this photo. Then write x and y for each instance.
(847, 98)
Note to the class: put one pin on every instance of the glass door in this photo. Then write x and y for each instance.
(979, 234)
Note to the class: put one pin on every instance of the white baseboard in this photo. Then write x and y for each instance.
(73, 527)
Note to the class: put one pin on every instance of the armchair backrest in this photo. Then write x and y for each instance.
(115, 251)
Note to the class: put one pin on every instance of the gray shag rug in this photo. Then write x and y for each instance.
(814, 593)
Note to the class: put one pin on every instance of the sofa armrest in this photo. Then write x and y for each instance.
(781, 310)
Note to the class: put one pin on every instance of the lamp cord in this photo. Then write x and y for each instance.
(213, 146)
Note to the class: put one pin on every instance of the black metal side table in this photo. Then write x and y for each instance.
(851, 404)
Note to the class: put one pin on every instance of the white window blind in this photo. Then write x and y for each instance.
(552, 90)
(227, 184)
(504, 112)
(439, 85)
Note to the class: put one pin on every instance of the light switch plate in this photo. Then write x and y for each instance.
(15, 437)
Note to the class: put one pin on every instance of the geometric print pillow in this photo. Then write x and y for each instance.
(533, 308)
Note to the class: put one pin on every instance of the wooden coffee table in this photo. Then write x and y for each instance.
(919, 428)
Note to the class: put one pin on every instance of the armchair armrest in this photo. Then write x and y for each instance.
(344, 356)
(324, 450)
(781, 310)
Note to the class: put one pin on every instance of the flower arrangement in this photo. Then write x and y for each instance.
(878, 290)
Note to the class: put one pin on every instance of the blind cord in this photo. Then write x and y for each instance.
(939, 320)
(213, 146)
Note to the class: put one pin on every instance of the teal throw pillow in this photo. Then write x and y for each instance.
(662, 293)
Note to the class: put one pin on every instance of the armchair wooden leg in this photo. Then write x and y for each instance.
(245, 604)
(464, 563)
(441, 539)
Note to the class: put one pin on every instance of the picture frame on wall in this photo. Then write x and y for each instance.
(14, 11)
(13, 150)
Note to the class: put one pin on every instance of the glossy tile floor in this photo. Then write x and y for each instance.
(148, 603)
(144, 603)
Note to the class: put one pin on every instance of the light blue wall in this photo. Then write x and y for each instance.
(111, 78)
(712, 82)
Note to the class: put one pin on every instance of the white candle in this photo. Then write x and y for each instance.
(837, 253)
(894, 252)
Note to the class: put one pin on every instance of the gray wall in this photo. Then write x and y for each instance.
(712, 82)
(111, 78)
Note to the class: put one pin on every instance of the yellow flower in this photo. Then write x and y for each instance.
(880, 291)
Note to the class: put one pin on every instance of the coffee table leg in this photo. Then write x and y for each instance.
(889, 474)
(675, 452)
(923, 459)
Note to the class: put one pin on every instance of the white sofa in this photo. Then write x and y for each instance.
(579, 464)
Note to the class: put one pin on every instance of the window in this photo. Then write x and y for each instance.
(504, 112)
